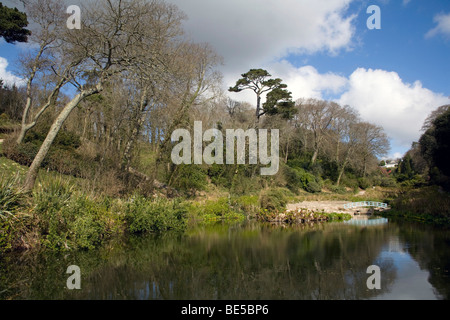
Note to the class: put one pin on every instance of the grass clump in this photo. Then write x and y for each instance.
(144, 215)
(67, 219)
(214, 210)
(274, 199)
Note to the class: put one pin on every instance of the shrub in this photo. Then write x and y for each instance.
(388, 182)
(189, 178)
(313, 187)
(292, 177)
(144, 215)
(246, 204)
(214, 210)
(68, 220)
(338, 189)
(274, 200)
(242, 184)
(363, 183)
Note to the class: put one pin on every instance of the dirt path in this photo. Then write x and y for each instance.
(329, 207)
(326, 206)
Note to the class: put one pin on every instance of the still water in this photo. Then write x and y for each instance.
(247, 261)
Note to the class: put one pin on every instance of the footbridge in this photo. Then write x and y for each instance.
(362, 204)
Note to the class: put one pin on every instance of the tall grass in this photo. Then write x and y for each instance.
(11, 196)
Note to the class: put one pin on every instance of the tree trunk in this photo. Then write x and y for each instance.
(315, 155)
(258, 107)
(341, 173)
(24, 128)
(56, 126)
(141, 116)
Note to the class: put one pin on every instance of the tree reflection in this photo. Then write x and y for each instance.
(251, 261)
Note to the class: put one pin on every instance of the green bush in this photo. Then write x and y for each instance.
(189, 178)
(246, 204)
(68, 220)
(274, 200)
(313, 187)
(145, 215)
(214, 210)
(292, 177)
(364, 183)
(350, 182)
(338, 189)
(388, 182)
(299, 178)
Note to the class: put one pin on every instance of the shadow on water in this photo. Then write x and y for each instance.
(244, 261)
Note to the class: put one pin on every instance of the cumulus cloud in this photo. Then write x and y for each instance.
(7, 77)
(443, 26)
(252, 33)
(383, 98)
(307, 82)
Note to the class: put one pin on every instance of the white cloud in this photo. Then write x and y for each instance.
(252, 33)
(303, 82)
(383, 98)
(7, 77)
(443, 26)
(307, 82)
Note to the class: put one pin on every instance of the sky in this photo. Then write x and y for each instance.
(394, 76)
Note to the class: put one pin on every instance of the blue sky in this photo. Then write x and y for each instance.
(323, 49)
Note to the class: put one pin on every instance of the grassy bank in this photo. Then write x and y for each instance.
(66, 213)
(427, 204)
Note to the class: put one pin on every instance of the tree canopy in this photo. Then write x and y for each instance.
(12, 25)
(259, 81)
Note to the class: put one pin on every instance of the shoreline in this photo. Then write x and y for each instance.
(331, 206)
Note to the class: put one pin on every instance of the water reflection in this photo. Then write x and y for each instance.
(246, 261)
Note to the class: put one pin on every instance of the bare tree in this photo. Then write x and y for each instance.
(114, 37)
(373, 143)
(317, 117)
(48, 19)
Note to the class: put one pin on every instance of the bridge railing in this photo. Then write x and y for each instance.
(365, 204)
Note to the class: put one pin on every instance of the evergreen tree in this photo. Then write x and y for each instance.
(12, 25)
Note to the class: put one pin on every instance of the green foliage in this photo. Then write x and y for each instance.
(274, 199)
(189, 178)
(364, 183)
(338, 216)
(424, 204)
(144, 215)
(338, 189)
(11, 197)
(69, 220)
(12, 25)
(214, 210)
(388, 182)
(243, 182)
(299, 178)
(279, 101)
(248, 204)
(435, 149)
(220, 175)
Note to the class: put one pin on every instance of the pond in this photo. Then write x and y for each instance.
(245, 261)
